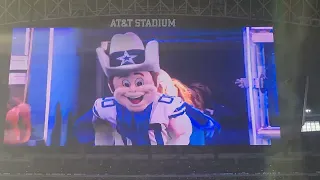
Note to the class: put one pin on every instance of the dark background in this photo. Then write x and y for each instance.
(212, 57)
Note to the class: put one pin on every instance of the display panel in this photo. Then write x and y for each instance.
(142, 86)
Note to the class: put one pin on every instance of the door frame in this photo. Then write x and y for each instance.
(260, 130)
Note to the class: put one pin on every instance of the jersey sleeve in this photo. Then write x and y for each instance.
(95, 109)
(177, 108)
(104, 113)
(179, 122)
(104, 109)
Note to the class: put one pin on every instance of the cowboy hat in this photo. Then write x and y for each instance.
(128, 54)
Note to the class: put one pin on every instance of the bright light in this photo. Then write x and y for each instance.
(308, 110)
(311, 126)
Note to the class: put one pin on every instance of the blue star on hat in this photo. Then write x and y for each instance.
(126, 58)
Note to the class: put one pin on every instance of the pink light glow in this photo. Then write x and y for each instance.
(263, 37)
(261, 28)
(269, 131)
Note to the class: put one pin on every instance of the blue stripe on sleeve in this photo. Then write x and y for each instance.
(183, 105)
(95, 112)
(176, 115)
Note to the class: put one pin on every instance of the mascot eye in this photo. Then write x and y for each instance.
(139, 82)
(126, 83)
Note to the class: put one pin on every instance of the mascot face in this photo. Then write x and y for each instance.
(135, 91)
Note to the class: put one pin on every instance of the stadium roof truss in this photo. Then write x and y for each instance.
(301, 12)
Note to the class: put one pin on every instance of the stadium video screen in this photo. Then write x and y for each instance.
(142, 86)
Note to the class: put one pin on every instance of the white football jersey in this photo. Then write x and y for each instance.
(165, 109)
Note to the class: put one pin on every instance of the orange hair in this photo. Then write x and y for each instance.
(183, 91)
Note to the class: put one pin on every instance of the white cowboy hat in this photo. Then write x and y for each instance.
(128, 54)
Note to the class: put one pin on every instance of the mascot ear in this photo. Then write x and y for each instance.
(111, 89)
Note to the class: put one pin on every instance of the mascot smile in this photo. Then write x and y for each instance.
(136, 91)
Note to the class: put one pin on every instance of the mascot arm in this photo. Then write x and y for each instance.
(182, 129)
(104, 109)
(180, 124)
(102, 112)
(103, 133)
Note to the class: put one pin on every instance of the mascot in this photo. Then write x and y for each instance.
(136, 114)
(204, 126)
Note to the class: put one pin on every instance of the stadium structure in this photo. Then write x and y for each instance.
(300, 12)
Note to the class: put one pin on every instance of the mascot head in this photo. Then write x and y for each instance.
(131, 69)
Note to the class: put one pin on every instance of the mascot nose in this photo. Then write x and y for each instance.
(132, 88)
